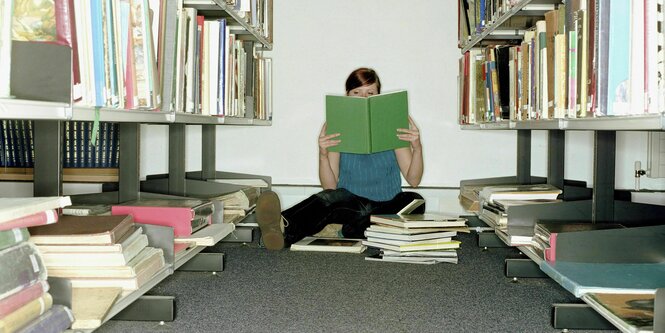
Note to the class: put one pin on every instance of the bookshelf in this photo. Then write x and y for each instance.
(600, 204)
(42, 91)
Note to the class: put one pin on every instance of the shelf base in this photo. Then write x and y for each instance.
(523, 268)
(240, 235)
(149, 308)
(578, 316)
(490, 239)
(204, 262)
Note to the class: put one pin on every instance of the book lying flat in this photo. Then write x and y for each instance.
(416, 237)
(78, 259)
(414, 247)
(406, 242)
(321, 244)
(83, 230)
(416, 231)
(45, 217)
(411, 260)
(129, 237)
(209, 235)
(12, 237)
(27, 268)
(367, 125)
(184, 215)
(419, 220)
(451, 253)
(140, 263)
(629, 312)
(16, 300)
(13, 208)
(581, 278)
(55, 320)
(25, 314)
(519, 192)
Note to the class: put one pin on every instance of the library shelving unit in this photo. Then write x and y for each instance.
(600, 204)
(41, 87)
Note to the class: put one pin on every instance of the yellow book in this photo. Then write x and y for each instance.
(91, 305)
(25, 314)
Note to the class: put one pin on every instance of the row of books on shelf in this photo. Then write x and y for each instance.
(476, 15)
(585, 59)
(216, 71)
(17, 144)
(119, 54)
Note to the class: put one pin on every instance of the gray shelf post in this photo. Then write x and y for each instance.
(48, 137)
(602, 209)
(177, 136)
(556, 148)
(128, 162)
(208, 150)
(524, 156)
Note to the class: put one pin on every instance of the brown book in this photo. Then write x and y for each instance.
(83, 230)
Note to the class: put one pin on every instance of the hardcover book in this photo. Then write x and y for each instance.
(367, 125)
(411, 260)
(16, 300)
(321, 244)
(45, 217)
(83, 230)
(90, 306)
(149, 256)
(184, 215)
(27, 268)
(55, 320)
(632, 312)
(419, 220)
(12, 237)
(25, 314)
(13, 208)
(519, 192)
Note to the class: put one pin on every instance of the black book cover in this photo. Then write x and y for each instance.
(502, 54)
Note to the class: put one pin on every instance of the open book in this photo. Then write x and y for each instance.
(367, 125)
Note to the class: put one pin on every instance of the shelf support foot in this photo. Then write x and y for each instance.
(523, 268)
(204, 262)
(578, 316)
(149, 308)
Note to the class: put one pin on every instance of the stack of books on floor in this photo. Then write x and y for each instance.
(25, 303)
(414, 238)
(496, 202)
(105, 256)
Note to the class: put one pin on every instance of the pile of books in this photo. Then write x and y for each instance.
(98, 251)
(25, 303)
(414, 238)
(496, 201)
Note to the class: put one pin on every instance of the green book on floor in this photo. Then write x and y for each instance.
(367, 124)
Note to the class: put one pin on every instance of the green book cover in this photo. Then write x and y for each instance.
(367, 125)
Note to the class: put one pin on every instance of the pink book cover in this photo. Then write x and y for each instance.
(41, 218)
(66, 34)
(550, 253)
(180, 218)
(12, 302)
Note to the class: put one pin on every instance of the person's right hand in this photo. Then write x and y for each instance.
(327, 141)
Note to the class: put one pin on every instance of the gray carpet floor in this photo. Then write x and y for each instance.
(284, 291)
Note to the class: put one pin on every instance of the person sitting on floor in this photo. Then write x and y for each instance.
(355, 186)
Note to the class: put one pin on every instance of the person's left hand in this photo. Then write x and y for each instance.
(412, 134)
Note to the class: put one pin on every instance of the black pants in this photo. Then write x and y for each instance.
(340, 206)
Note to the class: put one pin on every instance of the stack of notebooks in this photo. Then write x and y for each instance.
(25, 304)
(546, 233)
(414, 238)
(98, 251)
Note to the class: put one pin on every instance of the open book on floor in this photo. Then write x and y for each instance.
(404, 218)
(323, 244)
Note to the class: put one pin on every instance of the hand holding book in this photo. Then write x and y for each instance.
(412, 134)
(327, 141)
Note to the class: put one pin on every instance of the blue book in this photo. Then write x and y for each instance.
(581, 278)
(57, 319)
(96, 12)
(3, 143)
(618, 62)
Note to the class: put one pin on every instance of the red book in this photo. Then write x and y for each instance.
(184, 216)
(14, 301)
(41, 218)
